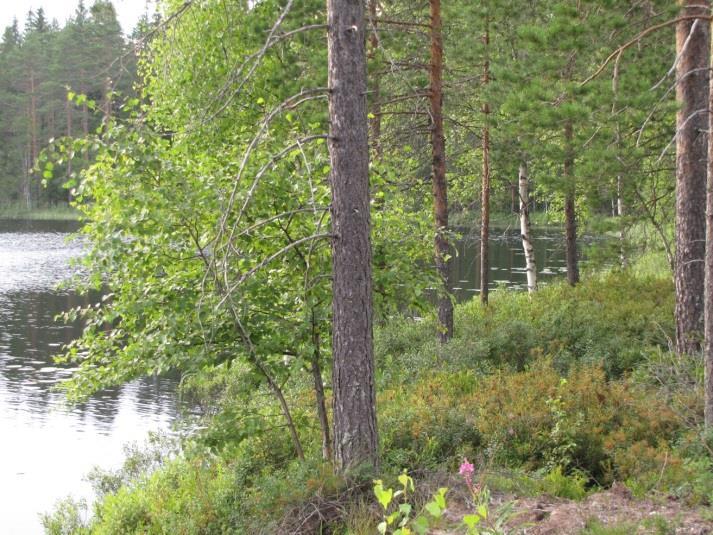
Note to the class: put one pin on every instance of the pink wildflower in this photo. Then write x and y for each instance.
(466, 470)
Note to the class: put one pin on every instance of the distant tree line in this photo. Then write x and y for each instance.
(56, 82)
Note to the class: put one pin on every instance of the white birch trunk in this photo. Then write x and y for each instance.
(621, 212)
(530, 264)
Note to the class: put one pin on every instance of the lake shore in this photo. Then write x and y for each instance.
(59, 212)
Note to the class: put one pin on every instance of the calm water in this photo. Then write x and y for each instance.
(507, 261)
(47, 447)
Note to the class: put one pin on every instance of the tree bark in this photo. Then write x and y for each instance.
(708, 290)
(355, 433)
(438, 174)
(570, 215)
(692, 94)
(525, 230)
(68, 112)
(485, 194)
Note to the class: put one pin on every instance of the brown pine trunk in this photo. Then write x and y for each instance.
(68, 112)
(355, 433)
(708, 290)
(485, 194)
(438, 175)
(570, 214)
(691, 150)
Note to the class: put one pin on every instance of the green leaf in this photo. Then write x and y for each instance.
(471, 521)
(384, 496)
(405, 509)
(440, 497)
(420, 525)
(392, 517)
(434, 509)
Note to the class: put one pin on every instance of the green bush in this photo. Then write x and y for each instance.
(612, 320)
(67, 518)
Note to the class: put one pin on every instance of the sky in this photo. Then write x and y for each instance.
(129, 11)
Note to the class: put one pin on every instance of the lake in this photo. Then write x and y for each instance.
(507, 261)
(48, 447)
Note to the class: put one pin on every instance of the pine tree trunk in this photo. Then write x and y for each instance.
(34, 143)
(708, 276)
(438, 174)
(570, 215)
(691, 151)
(525, 229)
(485, 196)
(68, 112)
(355, 433)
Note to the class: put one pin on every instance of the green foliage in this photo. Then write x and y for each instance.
(601, 321)
(69, 517)
(548, 429)
(554, 483)
(595, 527)
(399, 516)
(207, 209)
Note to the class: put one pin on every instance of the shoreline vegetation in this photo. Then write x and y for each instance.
(56, 212)
(569, 398)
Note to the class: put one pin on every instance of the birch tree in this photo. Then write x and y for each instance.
(525, 232)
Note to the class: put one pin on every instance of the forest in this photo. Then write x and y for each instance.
(39, 65)
(271, 193)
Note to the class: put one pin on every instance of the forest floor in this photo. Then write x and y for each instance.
(610, 512)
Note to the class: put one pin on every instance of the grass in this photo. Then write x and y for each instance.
(61, 212)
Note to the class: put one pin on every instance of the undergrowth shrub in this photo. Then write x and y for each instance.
(611, 320)
(534, 419)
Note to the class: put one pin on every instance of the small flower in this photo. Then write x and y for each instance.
(466, 469)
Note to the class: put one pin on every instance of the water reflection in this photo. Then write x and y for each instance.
(507, 261)
(48, 447)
